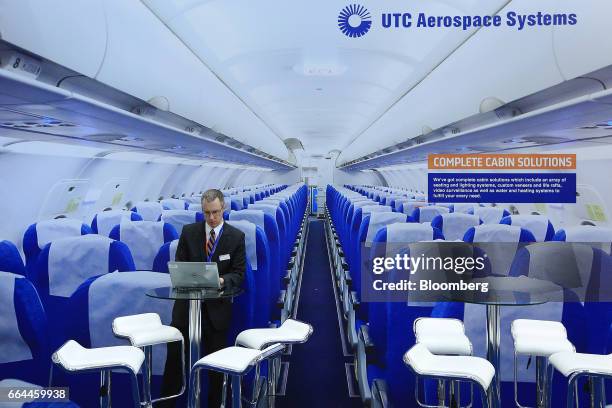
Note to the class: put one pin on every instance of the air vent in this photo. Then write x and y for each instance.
(483, 148)
(35, 124)
(545, 139)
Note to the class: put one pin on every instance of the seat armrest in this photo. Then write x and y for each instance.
(364, 336)
(280, 303)
(347, 275)
(380, 393)
(354, 300)
(287, 277)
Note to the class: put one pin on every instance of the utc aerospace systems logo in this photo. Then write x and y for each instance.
(354, 21)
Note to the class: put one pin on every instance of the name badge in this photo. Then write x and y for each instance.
(224, 257)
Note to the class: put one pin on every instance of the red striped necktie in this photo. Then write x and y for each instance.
(210, 244)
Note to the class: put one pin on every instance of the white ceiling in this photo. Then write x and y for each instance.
(293, 67)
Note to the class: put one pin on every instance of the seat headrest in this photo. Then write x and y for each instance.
(50, 230)
(539, 225)
(254, 216)
(173, 204)
(144, 238)
(490, 215)
(106, 220)
(368, 209)
(409, 232)
(379, 220)
(148, 210)
(454, 225)
(427, 213)
(497, 233)
(250, 239)
(179, 218)
(73, 260)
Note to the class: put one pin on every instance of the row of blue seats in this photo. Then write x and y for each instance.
(66, 268)
(372, 222)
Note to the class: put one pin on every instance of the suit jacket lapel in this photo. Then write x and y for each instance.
(221, 245)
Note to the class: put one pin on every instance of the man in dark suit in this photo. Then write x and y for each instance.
(208, 241)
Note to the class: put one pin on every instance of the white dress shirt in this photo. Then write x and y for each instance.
(217, 231)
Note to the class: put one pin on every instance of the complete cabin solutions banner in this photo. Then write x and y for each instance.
(502, 178)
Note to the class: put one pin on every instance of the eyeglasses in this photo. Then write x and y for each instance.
(213, 213)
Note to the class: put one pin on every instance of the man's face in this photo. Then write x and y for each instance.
(213, 212)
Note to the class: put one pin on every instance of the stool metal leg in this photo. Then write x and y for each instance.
(146, 376)
(540, 381)
(224, 392)
(570, 391)
(236, 392)
(105, 389)
(271, 382)
(183, 375)
(441, 392)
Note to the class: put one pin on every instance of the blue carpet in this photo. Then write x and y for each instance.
(316, 373)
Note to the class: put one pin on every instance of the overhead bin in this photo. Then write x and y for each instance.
(501, 62)
(584, 48)
(72, 34)
(97, 38)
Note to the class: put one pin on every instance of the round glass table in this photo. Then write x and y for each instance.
(507, 291)
(195, 298)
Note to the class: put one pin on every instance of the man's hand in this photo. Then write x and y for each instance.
(221, 281)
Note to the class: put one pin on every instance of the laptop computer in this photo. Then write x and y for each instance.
(194, 275)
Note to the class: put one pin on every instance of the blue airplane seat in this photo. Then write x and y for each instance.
(600, 236)
(428, 213)
(277, 213)
(144, 238)
(66, 263)
(179, 218)
(148, 210)
(253, 308)
(490, 215)
(103, 222)
(10, 259)
(166, 253)
(90, 313)
(353, 235)
(41, 233)
(409, 205)
(539, 225)
(370, 225)
(455, 225)
(25, 353)
(270, 229)
(391, 238)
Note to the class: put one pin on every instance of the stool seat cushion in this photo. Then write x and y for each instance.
(145, 330)
(537, 327)
(234, 360)
(541, 346)
(442, 336)
(424, 363)
(568, 363)
(74, 357)
(290, 332)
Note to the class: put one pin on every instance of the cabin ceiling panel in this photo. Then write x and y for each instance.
(291, 69)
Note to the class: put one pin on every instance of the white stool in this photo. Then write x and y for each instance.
(234, 361)
(290, 332)
(443, 336)
(144, 331)
(474, 370)
(540, 339)
(575, 365)
(74, 357)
